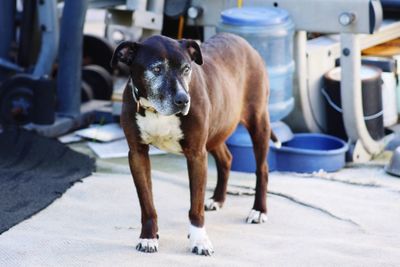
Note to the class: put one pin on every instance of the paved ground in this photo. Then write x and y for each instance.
(349, 218)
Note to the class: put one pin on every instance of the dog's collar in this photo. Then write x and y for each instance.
(138, 99)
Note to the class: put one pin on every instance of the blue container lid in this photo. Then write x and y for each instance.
(254, 16)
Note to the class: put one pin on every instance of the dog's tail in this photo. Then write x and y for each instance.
(275, 139)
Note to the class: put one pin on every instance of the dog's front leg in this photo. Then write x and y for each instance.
(139, 163)
(197, 167)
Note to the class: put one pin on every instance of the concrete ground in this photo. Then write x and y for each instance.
(348, 218)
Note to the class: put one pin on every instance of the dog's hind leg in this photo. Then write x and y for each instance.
(260, 135)
(223, 160)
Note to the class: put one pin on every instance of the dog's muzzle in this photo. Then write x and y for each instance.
(182, 101)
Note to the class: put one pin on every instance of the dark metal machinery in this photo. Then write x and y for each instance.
(34, 50)
(24, 85)
(27, 55)
(32, 42)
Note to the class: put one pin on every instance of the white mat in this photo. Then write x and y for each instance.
(97, 223)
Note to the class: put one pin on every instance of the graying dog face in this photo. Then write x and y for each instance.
(161, 71)
(167, 86)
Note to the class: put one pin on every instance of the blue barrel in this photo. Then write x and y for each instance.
(270, 31)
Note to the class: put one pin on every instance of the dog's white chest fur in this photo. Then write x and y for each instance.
(160, 131)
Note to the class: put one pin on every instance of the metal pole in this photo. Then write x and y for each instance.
(48, 20)
(351, 95)
(70, 58)
(7, 29)
(304, 120)
(26, 33)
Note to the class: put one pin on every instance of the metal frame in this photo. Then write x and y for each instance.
(351, 100)
(7, 33)
(48, 22)
(306, 14)
(139, 18)
(321, 54)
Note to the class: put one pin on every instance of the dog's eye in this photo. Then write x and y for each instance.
(156, 70)
(186, 70)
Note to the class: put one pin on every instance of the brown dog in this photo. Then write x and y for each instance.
(191, 109)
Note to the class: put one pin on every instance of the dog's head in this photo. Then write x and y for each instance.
(161, 69)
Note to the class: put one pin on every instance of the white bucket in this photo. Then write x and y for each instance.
(389, 102)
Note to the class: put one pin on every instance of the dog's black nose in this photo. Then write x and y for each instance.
(181, 99)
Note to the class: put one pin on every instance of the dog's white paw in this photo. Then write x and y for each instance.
(256, 216)
(147, 245)
(199, 242)
(212, 205)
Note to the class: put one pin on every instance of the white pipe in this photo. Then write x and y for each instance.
(303, 101)
(351, 94)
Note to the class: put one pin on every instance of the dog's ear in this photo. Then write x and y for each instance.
(193, 49)
(125, 53)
